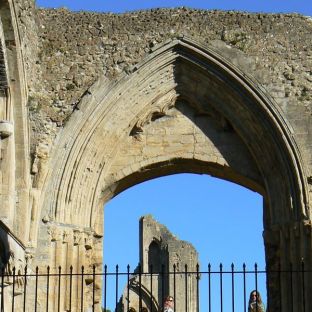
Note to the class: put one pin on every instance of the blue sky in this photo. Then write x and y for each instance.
(299, 6)
(222, 220)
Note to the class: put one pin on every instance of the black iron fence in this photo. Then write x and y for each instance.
(193, 289)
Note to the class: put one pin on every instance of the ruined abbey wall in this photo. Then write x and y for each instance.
(77, 48)
(95, 103)
(162, 252)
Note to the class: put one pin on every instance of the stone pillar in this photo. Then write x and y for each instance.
(6, 173)
(7, 149)
(74, 247)
(288, 259)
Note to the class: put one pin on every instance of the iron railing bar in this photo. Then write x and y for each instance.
(244, 281)
(70, 287)
(82, 281)
(209, 287)
(2, 289)
(36, 288)
(233, 294)
(221, 289)
(48, 286)
(140, 287)
(151, 287)
(116, 289)
(162, 282)
(268, 279)
(25, 289)
(291, 288)
(303, 286)
(128, 287)
(13, 290)
(59, 290)
(197, 287)
(280, 285)
(93, 290)
(105, 286)
(174, 284)
(256, 285)
(186, 297)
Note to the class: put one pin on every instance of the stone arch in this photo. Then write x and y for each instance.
(114, 110)
(14, 136)
(183, 109)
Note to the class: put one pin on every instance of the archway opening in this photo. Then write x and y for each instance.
(183, 109)
(222, 220)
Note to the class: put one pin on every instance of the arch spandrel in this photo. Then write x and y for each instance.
(180, 70)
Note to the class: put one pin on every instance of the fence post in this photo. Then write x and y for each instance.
(197, 287)
(128, 287)
(59, 289)
(2, 289)
(48, 286)
(186, 290)
(93, 288)
(174, 284)
(244, 281)
(151, 287)
(303, 285)
(209, 286)
(70, 287)
(105, 286)
(233, 293)
(140, 287)
(256, 284)
(82, 282)
(291, 287)
(13, 291)
(116, 288)
(25, 288)
(221, 288)
(36, 289)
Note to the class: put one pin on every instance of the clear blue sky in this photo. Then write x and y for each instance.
(299, 6)
(222, 220)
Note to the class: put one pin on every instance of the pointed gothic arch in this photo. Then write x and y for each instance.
(113, 111)
(183, 109)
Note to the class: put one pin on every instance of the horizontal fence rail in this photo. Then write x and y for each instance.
(193, 289)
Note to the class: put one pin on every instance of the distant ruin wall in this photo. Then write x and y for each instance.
(161, 252)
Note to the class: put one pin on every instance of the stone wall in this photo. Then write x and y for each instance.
(162, 252)
(77, 48)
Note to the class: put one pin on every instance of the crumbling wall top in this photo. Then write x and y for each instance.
(77, 48)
